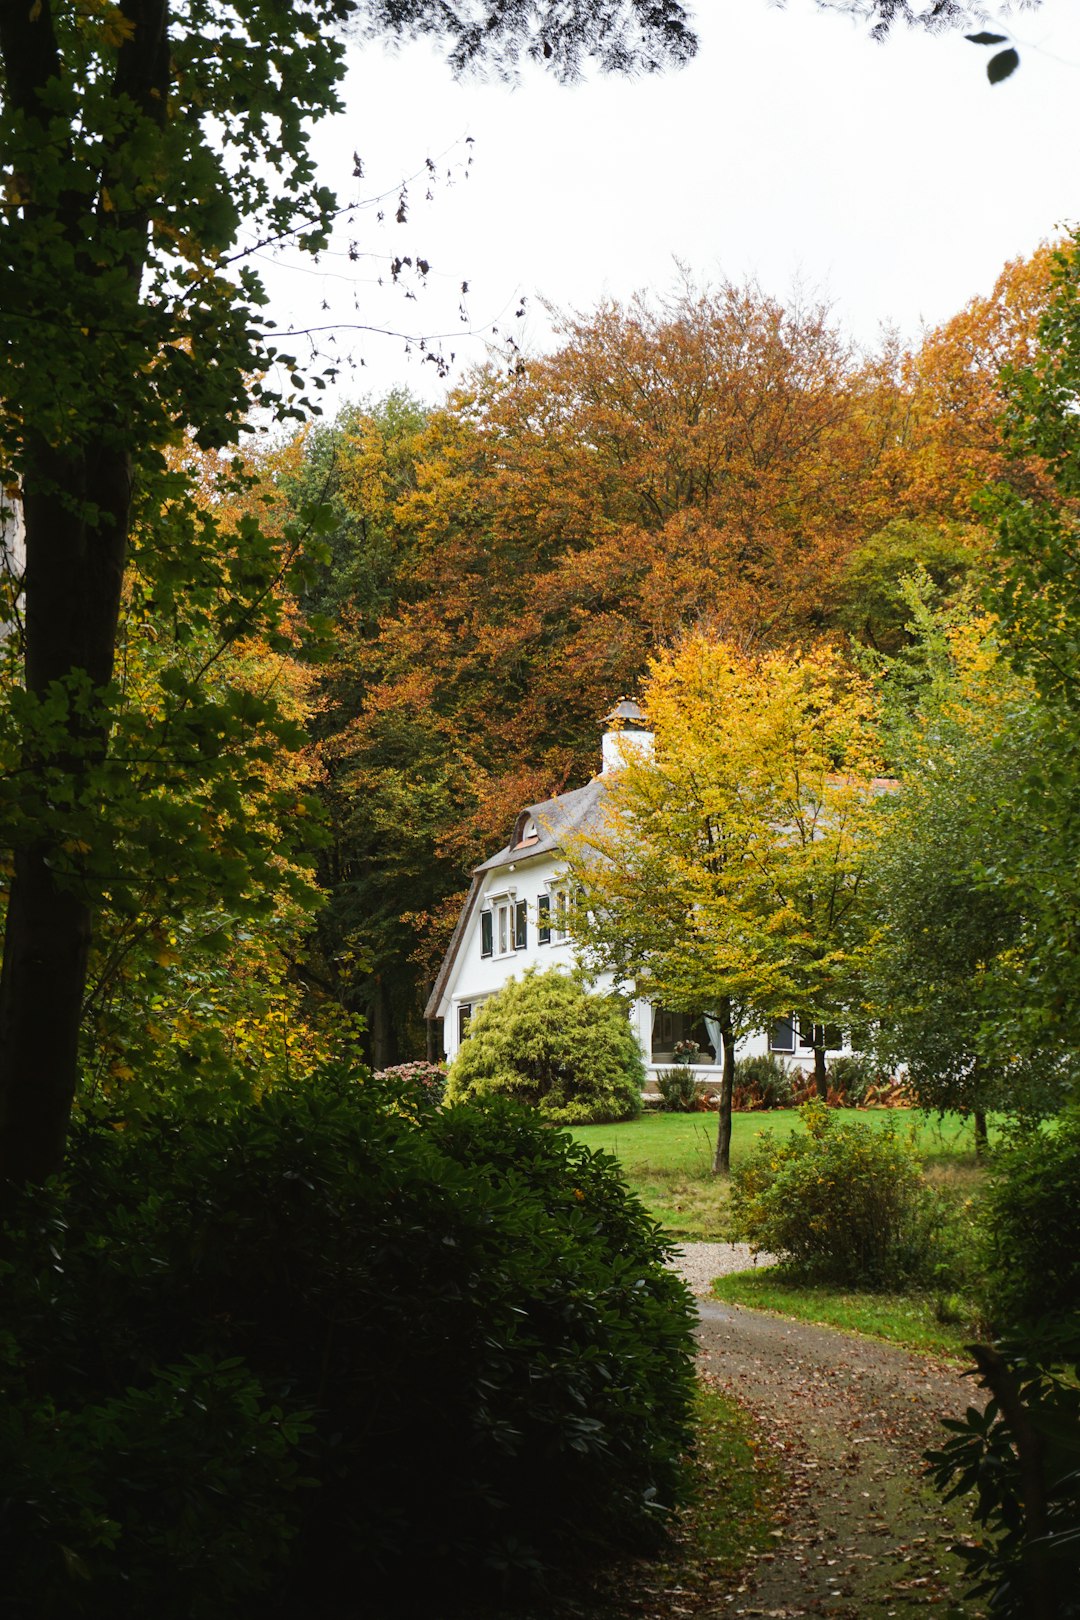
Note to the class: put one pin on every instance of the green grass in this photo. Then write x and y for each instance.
(667, 1158)
(907, 1319)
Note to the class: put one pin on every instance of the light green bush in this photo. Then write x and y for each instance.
(843, 1203)
(549, 1042)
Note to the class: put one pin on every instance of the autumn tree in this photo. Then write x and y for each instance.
(727, 874)
(137, 144)
(708, 459)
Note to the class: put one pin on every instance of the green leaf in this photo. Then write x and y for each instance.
(1000, 66)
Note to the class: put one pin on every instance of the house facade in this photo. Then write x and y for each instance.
(515, 918)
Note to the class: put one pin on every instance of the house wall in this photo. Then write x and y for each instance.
(475, 976)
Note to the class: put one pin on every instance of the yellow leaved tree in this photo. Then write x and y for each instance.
(725, 876)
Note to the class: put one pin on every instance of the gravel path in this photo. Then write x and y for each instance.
(860, 1536)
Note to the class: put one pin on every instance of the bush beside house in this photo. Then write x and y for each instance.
(547, 1041)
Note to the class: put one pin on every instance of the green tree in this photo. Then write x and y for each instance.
(137, 141)
(953, 921)
(1038, 599)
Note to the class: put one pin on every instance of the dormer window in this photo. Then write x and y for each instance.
(526, 831)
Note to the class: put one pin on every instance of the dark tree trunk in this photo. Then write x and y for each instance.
(821, 1074)
(982, 1135)
(74, 573)
(978, 1111)
(722, 1158)
(383, 1043)
(76, 492)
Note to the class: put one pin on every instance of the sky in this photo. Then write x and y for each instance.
(890, 180)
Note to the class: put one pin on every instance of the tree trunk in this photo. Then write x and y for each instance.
(821, 1075)
(722, 1158)
(978, 1112)
(76, 492)
(982, 1135)
(74, 572)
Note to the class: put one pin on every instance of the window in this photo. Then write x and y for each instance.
(464, 1013)
(543, 920)
(782, 1035)
(830, 1035)
(560, 914)
(503, 926)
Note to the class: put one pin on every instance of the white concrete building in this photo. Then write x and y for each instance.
(514, 918)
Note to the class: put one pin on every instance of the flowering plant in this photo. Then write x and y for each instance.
(684, 1051)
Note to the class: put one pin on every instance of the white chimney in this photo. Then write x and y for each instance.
(626, 736)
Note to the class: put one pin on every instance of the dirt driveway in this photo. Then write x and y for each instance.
(860, 1536)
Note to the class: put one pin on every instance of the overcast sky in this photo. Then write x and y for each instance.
(891, 179)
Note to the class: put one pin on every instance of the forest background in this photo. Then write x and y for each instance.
(490, 575)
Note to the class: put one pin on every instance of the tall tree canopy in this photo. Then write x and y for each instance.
(710, 459)
(145, 148)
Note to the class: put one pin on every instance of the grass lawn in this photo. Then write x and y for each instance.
(907, 1319)
(667, 1158)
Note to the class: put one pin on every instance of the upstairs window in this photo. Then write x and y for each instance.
(487, 934)
(543, 920)
(521, 926)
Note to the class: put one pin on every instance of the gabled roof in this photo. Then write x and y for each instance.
(538, 830)
(552, 819)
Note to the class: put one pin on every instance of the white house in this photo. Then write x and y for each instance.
(514, 917)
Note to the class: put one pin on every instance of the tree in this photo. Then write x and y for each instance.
(953, 919)
(1037, 594)
(137, 145)
(707, 458)
(727, 876)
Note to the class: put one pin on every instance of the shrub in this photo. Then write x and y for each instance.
(764, 1081)
(844, 1203)
(856, 1081)
(1031, 1227)
(546, 1041)
(428, 1080)
(437, 1358)
(1019, 1455)
(678, 1089)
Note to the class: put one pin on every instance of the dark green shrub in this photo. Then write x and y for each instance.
(678, 1089)
(472, 1309)
(546, 1041)
(844, 1203)
(763, 1081)
(1019, 1456)
(1031, 1225)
